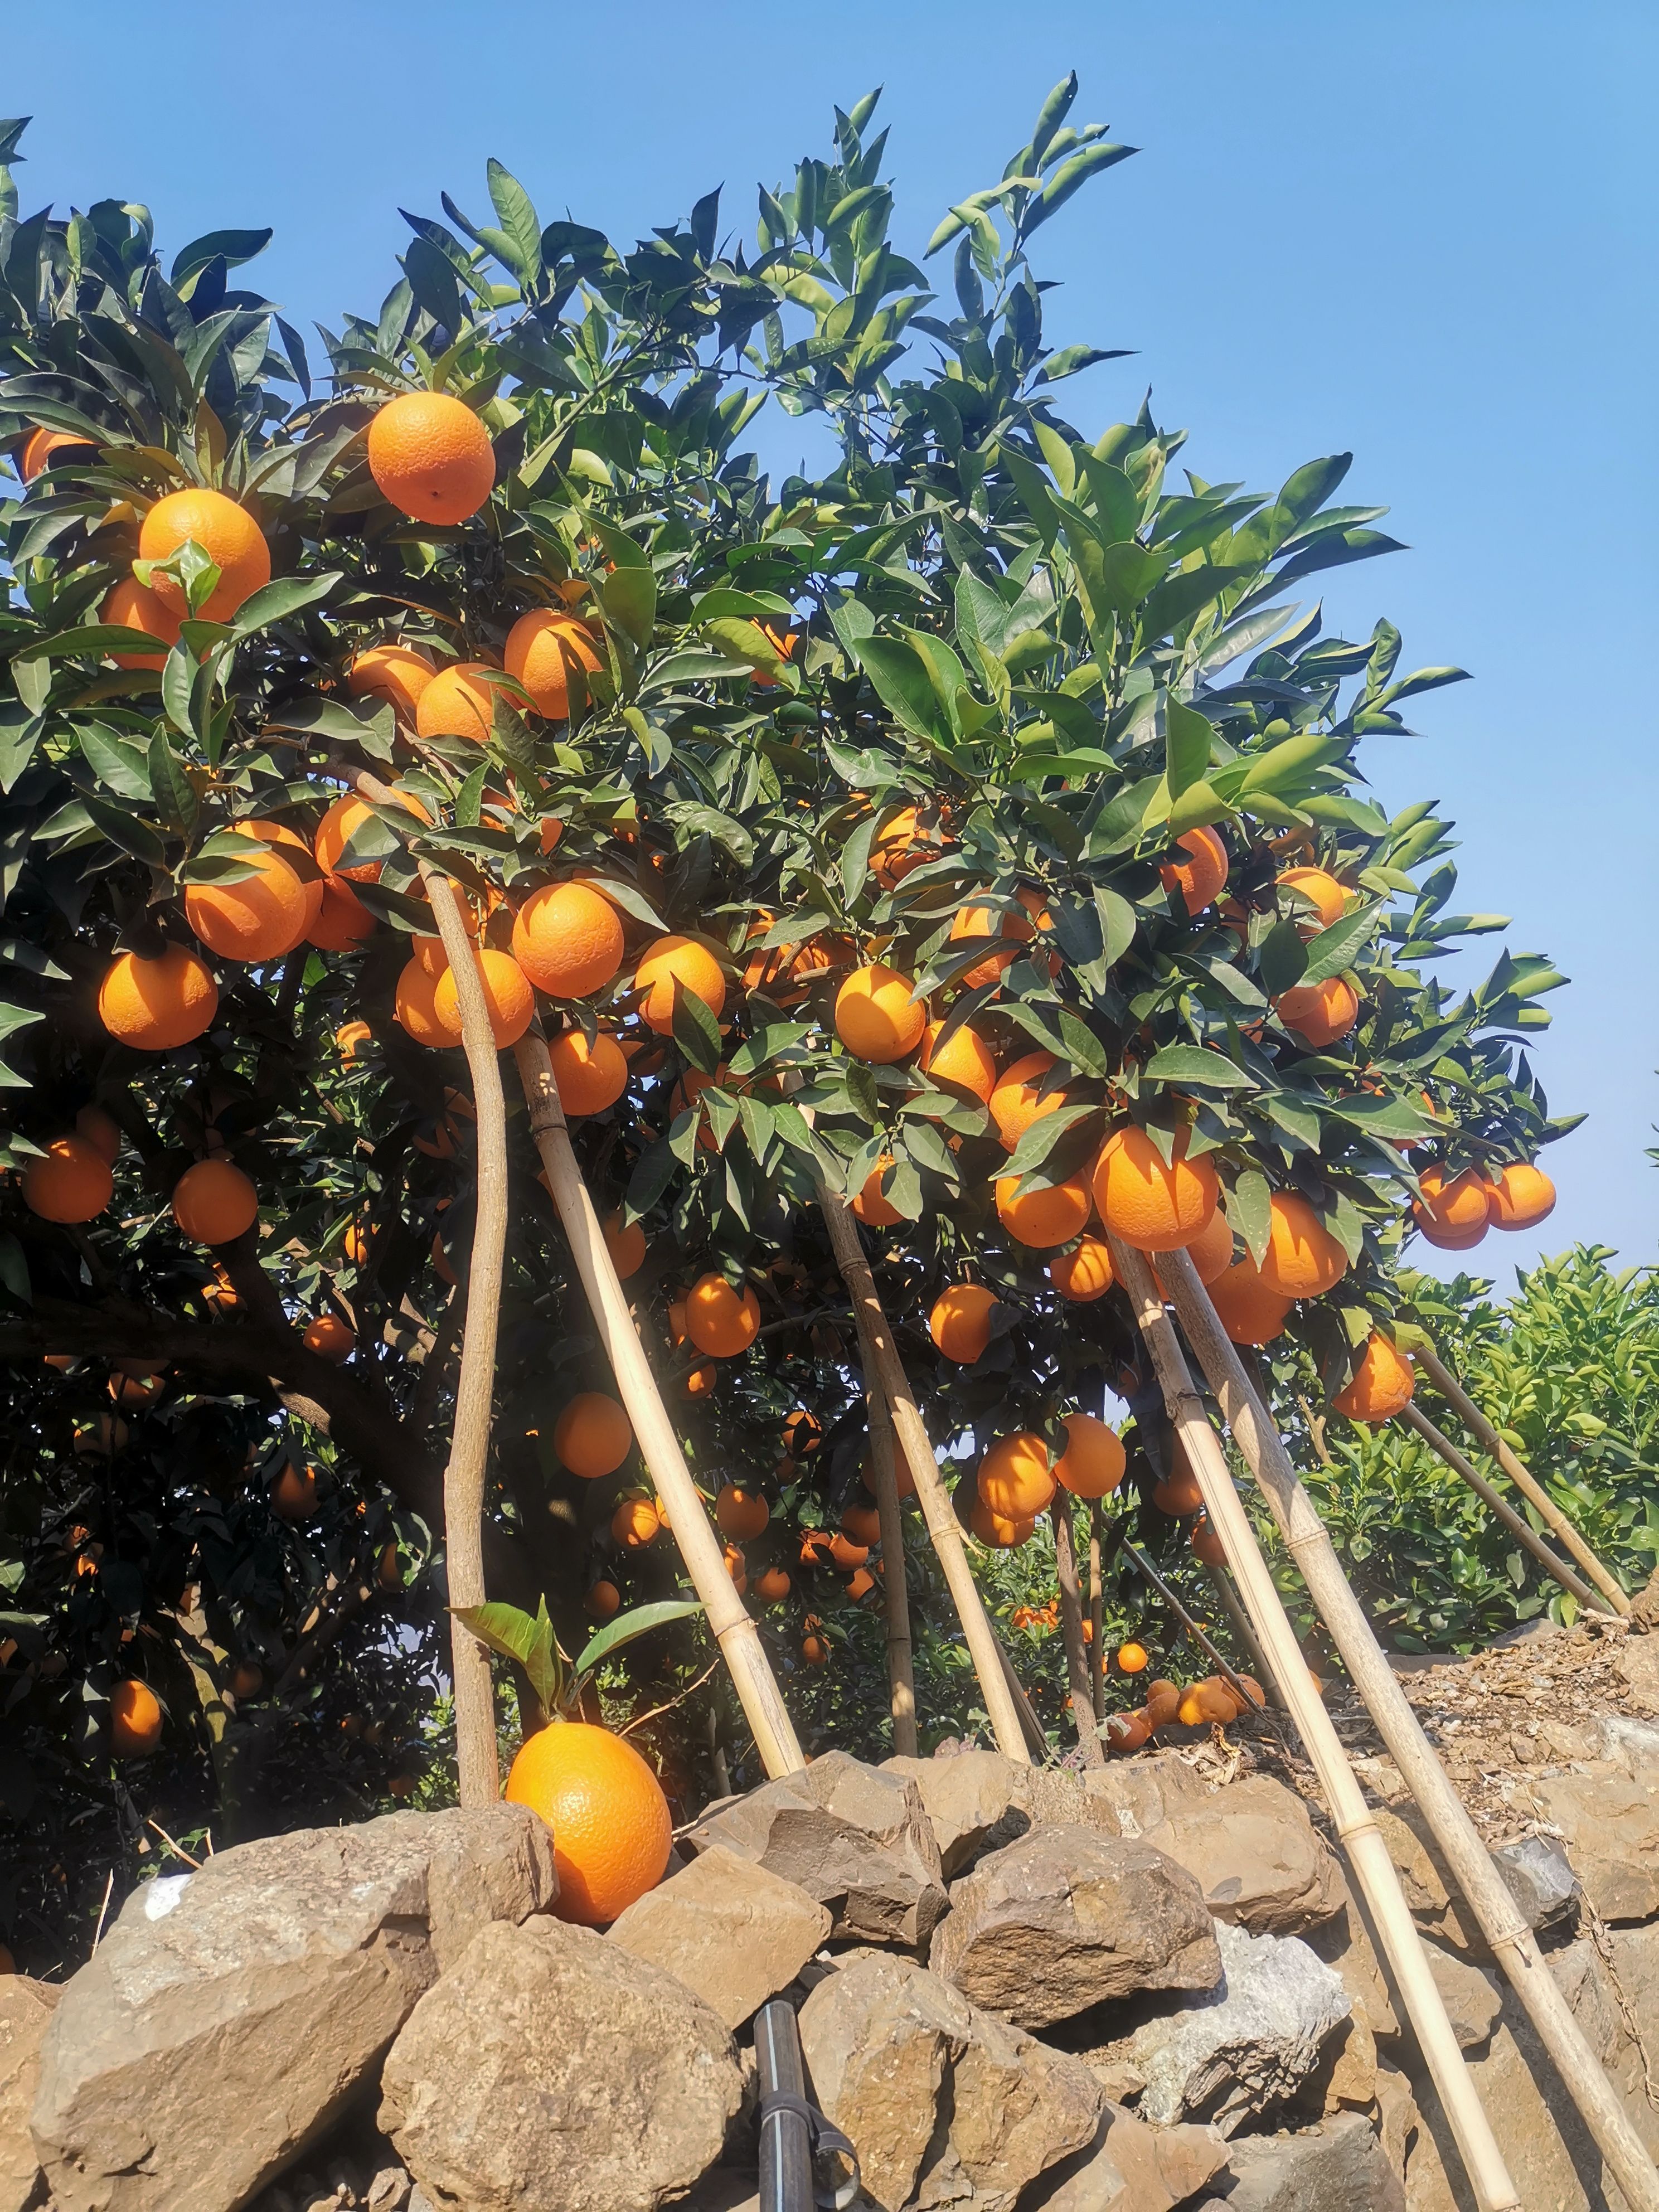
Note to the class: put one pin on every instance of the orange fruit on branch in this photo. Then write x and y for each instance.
(155, 1006)
(331, 1339)
(1198, 877)
(541, 648)
(741, 1513)
(1454, 1213)
(588, 1079)
(679, 962)
(133, 605)
(603, 1599)
(960, 1322)
(1380, 1385)
(431, 457)
(1010, 931)
(1520, 1196)
(1132, 1658)
(1043, 1217)
(625, 1245)
(1303, 1259)
(962, 1062)
(214, 1202)
(878, 1018)
(594, 1435)
(718, 1320)
(1093, 1462)
(1318, 898)
(773, 1587)
(1014, 1480)
(41, 444)
(227, 533)
(1019, 1099)
(1152, 1206)
(609, 1819)
(1319, 1013)
(1084, 1274)
(457, 703)
(397, 674)
(803, 1432)
(294, 1493)
(997, 1529)
(635, 1523)
(509, 999)
(71, 1182)
(1206, 1544)
(568, 940)
(344, 818)
(861, 1525)
(259, 918)
(414, 1005)
(135, 1719)
(1247, 1308)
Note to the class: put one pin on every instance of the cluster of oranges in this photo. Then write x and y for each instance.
(1168, 1704)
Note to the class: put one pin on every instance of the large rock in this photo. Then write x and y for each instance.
(1471, 1998)
(26, 2007)
(733, 1932)
(1246, 2046)
(1607, 1819)
(1128, 1796)
(552, 2071)
(947, 2105)
(854, 1837)
(1065, 1918)
(1256, 1858)
(1130, 2167)
(1345, 1943)
(977, 1802)
(1338, 2167)
(229, 2016)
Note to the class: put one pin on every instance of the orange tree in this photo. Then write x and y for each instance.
(978, 827)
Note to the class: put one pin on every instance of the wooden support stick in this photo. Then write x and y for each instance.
(989, 1664)
(660, 1446)
(1510, 1938)
(1096, 1616)
(1070, 1629)
(901, 1675)
(1518, 1526)
(1524, 1480)
(1362, 1840)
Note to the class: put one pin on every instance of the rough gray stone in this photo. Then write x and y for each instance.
(552, 2071)
(1128, 1796)
(1539, 1876)
(1246, 2046)
(946, 2104)
(1065, 1918)
(1345, 1944)
(229, 2016)
(26, 2007)
(1473, 1999)
(1608, 1819)
(1338, 2167)
(854, 1837)
(1130, 2167)
(1256, 1858)
(733, 1932)
(976, 1801)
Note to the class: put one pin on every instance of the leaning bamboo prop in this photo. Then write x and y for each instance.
(1096, 1616)
(1563, 1530)
(937, 1511)
(1362, 1840)
(1309, 1543)
(901, 1675)
(1070, 1629)
(660, 1446)
(1521, 1528)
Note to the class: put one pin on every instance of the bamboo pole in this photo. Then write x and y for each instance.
(1070, 1629)
(1525, 1481)
(1098, 1617)
(901, 1674)
(1511, 1940)
(700, 1547)
(1001, 1704)
(1518, 1526)
(1362, 1840)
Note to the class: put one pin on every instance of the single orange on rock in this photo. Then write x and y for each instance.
(718, 1320)
(431, 457)
(227, 533)
(679, 963)
(609, 1820)
(1153, 1207)
(1380, 1385)
(877, 1017)
(542, 647)
(960, 1322)
(568, 939)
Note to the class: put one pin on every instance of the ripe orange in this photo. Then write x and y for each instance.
(414, 1003)
(1153, 1207)
(815, 1652)
(609, 1819)
(399, 674)
(1211, 1250)
(964, 1062)
(328, 1336)
(1321, 899)
(350, 1037)
(861, 1525)
(1018, 1100)
(135, 1719)
(295, 853)
(1163, 1703)
(997, 1529)
(388, 1570)
(1015, 1480)
(214, 1202)
(870, 1205)
(1199, 878)
(718, 1320)
(343, 819)
(877, 1017)
(635, 1523)
(343, 921)
(594, 1435)
(568, 940)
(71, 1182)
(260, 918)
(248, 1680)
(1249, 1312)
(1043, 1218)
(1520, 1197)
(625, 1245)
(1126, 1732)
(736, 1567)
(1206, 1544)
(1093, 1461)
(1319, 1013)
(803, 1433)
(133, 605)
(773, 1587)
(41, 444)
(740, 1513)
(680, 961)
(1303, 1259)
(588, 1079)
(603, 1599)
(1381, 1386)
(900, 844)
(1132, 1658)
(155, 1004)
(508, 999)
(960, 1322)
(431, 457)
(1083, 1273)
(541, 647)
(860, 1583)
(227, 533)
(457, 703)
(1456, 1215)
(294, 1493)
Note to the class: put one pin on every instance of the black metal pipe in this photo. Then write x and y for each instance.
(785, 2133)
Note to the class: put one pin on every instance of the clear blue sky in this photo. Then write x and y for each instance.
(1421, 231)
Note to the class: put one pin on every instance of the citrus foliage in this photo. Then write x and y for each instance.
(992, 726)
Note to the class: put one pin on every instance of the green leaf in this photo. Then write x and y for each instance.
(121, 765)
(1117, 923)
(1339, 946)
(516, 1635)
(904, 685)
(124, 828)
(1069, 178)
(512, 204)
(697, 1033)
(275, 602)
(1283, 958)
(1041, 1135)
(173, 791)
(627, 1625)
(91, 639)
(1249, 1210)
(1187, 746)
(1196, 1067)
(629, 597)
